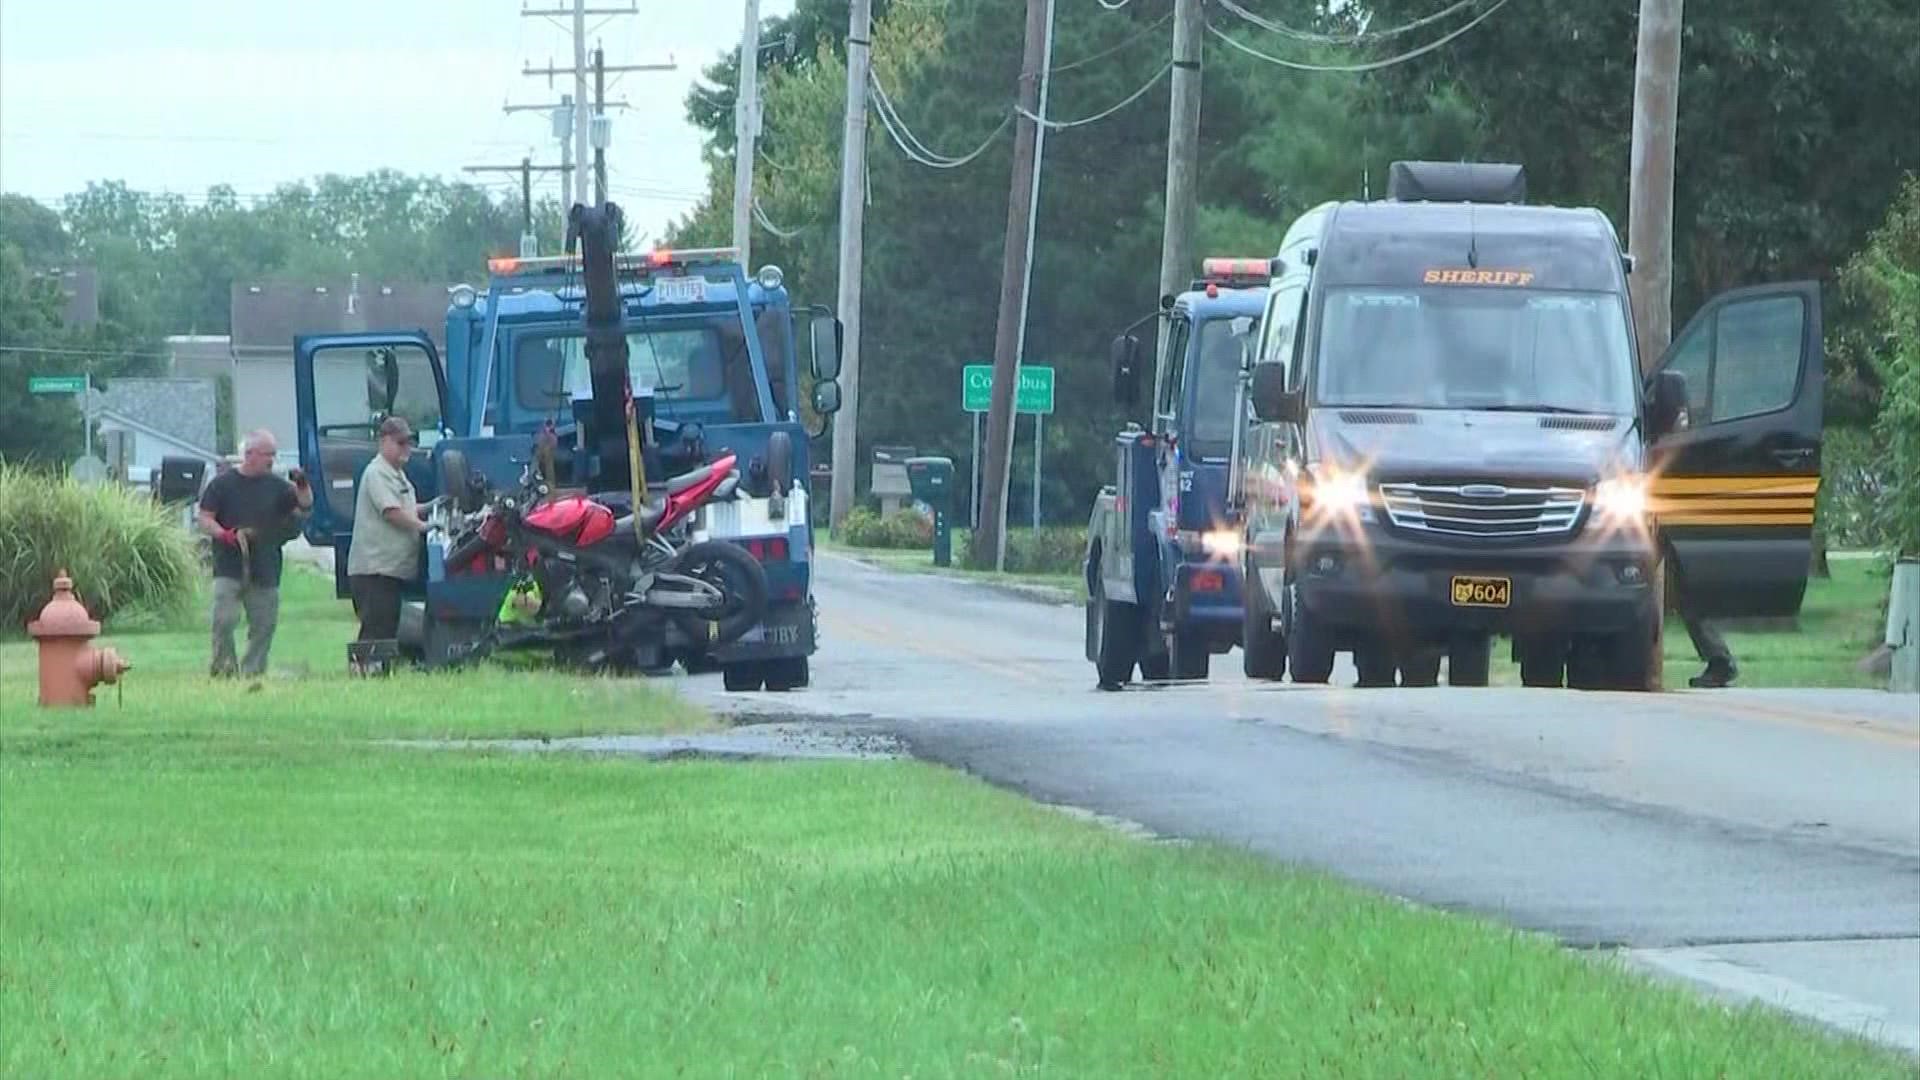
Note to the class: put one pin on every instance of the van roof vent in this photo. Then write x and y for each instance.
(1456, 181)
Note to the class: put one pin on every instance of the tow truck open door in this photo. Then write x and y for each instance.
(344, 386)
(1737, 461)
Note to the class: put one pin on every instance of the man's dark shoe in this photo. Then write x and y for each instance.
(1719, 673)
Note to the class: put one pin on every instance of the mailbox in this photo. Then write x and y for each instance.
(931, 479)
(178, 479)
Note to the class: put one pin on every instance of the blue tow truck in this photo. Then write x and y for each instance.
(712, 367)
(1162, 561)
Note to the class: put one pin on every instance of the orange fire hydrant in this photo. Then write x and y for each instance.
(69, 667)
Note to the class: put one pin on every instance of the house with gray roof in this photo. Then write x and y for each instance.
(267, 315)
(142, 421)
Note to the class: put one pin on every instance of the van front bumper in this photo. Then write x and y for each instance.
(1373, 578)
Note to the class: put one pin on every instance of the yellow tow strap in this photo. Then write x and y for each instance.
(636, 469)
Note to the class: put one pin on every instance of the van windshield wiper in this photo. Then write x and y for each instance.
(1537, 408)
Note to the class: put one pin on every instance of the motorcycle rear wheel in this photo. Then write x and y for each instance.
(742, 582)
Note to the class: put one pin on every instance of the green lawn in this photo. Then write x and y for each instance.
(220, 880)
(173, 907)
(308, 693)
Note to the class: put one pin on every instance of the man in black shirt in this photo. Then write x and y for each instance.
(250, 513)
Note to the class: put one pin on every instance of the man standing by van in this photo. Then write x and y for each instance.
(384, 554)
(250, 513)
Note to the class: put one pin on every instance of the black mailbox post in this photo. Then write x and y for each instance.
(931, 479)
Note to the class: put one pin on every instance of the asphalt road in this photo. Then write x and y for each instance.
(1762, 843)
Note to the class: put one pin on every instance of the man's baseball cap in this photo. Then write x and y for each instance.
(396, 427)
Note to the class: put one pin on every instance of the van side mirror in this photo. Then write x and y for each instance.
(825, 334)
(1667, 402)
(383, 380)
(1272, 401)
(1125, 355)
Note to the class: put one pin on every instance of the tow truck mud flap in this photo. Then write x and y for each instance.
(786, 632)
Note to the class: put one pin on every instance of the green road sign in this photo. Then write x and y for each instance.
(1033, 396)
(57, 384)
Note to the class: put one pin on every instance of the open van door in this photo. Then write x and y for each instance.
(1737, 468)
(344, 386)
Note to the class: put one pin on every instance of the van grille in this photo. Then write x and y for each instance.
(1483, 510)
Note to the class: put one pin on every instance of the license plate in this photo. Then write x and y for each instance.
(1495, 592)
(680, 290)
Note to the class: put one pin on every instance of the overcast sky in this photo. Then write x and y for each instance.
(174, 96)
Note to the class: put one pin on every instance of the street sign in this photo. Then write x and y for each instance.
(1033, 397)
(57, 384)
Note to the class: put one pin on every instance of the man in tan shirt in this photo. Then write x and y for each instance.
(384, 555)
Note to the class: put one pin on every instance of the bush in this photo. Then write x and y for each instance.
(1053, 549)
(123, 552)
(904, 528)
(1855, 507)
(1887, 273)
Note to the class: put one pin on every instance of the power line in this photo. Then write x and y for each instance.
(37, 351)
(1317, 38)
(760, 215)
(1104, 53)
(1057, 125)
(1372, 65)
(918, 151)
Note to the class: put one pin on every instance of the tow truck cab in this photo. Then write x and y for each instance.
(712, 365)
(1163, 578)
(1454, 441)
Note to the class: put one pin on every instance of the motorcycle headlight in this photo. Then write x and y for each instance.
(1621, 499)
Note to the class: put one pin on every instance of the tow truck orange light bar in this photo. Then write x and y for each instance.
(1225, 271)
(508, 264)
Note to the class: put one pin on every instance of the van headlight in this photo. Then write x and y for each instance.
(1621, 499)
(1339, 493)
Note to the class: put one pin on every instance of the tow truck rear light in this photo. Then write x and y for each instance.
(1231, 272)
(772, 549)
(1207, 581)
(504, 265)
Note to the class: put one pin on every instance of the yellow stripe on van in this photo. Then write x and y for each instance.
(1735, 485)
(1749, 503)
(1693, 518)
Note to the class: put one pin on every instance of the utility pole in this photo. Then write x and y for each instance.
(526, 169)
(583, 122)
(989, 545)
(746, 125)
(1656, 102)
(853, 213)
(602, 127)
(1183, 156)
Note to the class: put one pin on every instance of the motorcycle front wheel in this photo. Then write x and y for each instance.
(741, 582)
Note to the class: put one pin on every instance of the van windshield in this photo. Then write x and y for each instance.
(1451, 347)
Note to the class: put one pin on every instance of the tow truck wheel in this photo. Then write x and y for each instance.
(1309, 648)
(1470, 661)
(1263, 651)
(742, 678)
(1629, 660)
(1113, 632)
(788, 673)
(1191, 660)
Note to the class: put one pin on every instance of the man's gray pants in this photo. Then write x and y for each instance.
(262, 607)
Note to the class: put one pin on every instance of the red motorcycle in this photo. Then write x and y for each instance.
(592, 577)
